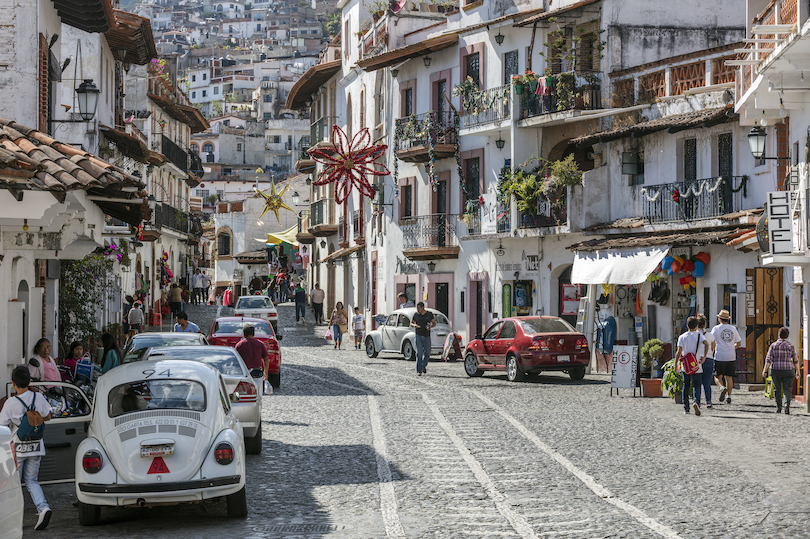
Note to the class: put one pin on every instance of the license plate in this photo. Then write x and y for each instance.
(563, 359)
(156, 451)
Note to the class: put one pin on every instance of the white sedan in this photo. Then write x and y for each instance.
(396, 334)
(162, 432)
(11, 495)
(257, 307)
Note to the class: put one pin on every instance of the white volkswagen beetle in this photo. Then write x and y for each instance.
(396, 334)
(11, 495)
(162, 432)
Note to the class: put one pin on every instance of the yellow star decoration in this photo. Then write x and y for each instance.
(273, 201)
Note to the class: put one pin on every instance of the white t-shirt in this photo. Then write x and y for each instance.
(709, 340)
(357, 321)
(692, 341)
(725, 335)
(12, 414)
(317, 295)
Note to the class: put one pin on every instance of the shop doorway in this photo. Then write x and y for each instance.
(765, 314)
(524, 298)
(477, 307)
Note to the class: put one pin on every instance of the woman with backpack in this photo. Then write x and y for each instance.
(25, 414)
(112, 354)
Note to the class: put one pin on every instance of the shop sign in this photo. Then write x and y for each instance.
(532, 262)
(625, 367)
(780, 223)
(489, 213)
(528, 264)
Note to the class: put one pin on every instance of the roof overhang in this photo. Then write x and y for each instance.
(133, 34)
(196, 120)
(555, 12)
(309, 83)
(407, 52)
(170, 107)
(126, 144)
(93, 16)
(342, 253)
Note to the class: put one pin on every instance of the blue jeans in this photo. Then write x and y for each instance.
(422, 352)
(691, 384)
(301, 308)
(336, 333)
(29, 474)
(705, 381)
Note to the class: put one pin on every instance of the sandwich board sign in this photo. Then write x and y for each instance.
(625, 368)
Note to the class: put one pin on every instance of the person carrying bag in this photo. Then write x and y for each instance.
(690, 363)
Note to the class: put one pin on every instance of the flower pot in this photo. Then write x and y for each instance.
(651, 387)
(518, 88)
(579, 103)
(532, 86)
(678, 398)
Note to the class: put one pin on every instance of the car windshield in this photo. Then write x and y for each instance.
(156, 395)
(238, 327)
(135, 349)
(222, 359)
(441, 319)
(547, 325)
(255, 302)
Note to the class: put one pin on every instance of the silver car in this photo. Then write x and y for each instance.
(245, 399)
(396, 334)
(139, 343)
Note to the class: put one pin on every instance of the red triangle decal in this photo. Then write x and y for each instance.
(158, 466)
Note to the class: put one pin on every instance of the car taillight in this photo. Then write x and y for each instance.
(272, 346)
(223, 453)
(91, 461)
(247, 392)
(538, 344)
(582, 342)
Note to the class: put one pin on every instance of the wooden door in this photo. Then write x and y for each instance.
(764, 315)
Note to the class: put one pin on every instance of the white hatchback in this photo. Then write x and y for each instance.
(162, 432)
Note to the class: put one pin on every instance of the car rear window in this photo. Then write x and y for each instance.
(156, 395)
(135, 349)
(258, 302)
(222, 359)
(441, 319)
(238, 327)
(547, 325)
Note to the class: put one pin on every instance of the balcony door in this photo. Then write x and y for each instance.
(725, 169)
(441, 208)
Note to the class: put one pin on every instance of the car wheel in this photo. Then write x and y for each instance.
(89, 515)
(408, 351)
(237, 504)
(274, 379)
(371, 350)
(577, 374)
(513, 371)
(471, 366)
(253, 445)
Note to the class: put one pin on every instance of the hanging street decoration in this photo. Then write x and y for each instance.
(349, 163)
(273, 201)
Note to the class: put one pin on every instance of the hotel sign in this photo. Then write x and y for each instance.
(780, 223)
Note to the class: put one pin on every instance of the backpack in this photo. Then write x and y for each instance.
(31, 425)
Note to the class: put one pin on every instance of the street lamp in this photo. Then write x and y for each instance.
(500, 143)
(296, 198)
(427, 60)
(756, 142)
(499, 38)
(87, 96)
(431, 266)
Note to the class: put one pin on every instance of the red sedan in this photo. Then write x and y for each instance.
(229, 330)
(528, 345)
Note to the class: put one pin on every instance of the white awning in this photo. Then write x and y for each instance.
(617, 266)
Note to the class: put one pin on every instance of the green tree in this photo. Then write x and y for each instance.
(332, 25)
(84, 285)
(216, 106)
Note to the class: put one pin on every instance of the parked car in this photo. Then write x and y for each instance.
(227, 331)
(11, 495)
(162, 432)
(70, 411)
(257, 307)
(244, 395)
(396, 334)
(139, 343)
(528, 345)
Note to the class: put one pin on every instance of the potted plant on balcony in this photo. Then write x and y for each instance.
(560, 176)
(566, 90)
(470, 96)
(378, 9)
(517, 82)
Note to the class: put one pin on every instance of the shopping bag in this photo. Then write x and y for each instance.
(328, 334)
(768, 388)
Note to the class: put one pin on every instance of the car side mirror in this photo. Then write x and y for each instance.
(234, 397)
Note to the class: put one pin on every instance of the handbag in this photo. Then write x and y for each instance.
(328, 334)
(690, 363)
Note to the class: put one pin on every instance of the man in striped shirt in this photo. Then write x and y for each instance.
(783, 363)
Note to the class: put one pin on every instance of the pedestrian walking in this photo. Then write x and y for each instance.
(783, 364)
(338, 321)
(135, 318)
(708, 364)
(726, 341)
(111, 357)
(422, 320)
(256, 284)
(691, 342)
(29, 446)
(42, 367)
(176, 298)
(300, 296)
(359, 326)
(197, 285)
(404, 301)
(184, 326)
(255, 356)
(316, 297)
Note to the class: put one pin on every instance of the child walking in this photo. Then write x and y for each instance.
(359, 326)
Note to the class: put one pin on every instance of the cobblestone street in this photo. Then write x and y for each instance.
(363, 448)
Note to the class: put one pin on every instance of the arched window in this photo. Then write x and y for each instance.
(195, 149)
(219, 7)
(208, 148)
(224, 244)
(209, 158)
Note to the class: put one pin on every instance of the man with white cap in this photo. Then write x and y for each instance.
(726, 341)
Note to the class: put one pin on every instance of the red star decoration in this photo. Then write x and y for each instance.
(349, 163)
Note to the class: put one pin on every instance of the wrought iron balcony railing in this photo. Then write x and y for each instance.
(321, 130)
(693, 200)
(174, 153)
(171, 217)
(322, 212)
(487, 106)
(357, 224)
(546, 215)
(581, 94)
(436, 230)
(426, 128)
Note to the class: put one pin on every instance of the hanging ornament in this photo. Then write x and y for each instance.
(676, 196)
(349, 163)
(273, 201)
